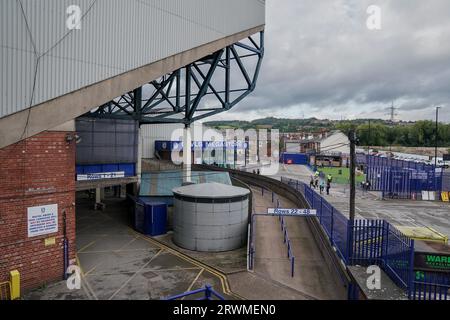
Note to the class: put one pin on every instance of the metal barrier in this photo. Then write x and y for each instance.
(334, 223)
(399, 178)
(368, 241)
(208, 292)
(374, 161)
(10, 290)
(430, 286)
(287, 241)
(363, 242)
(5, 290)
(398, 257)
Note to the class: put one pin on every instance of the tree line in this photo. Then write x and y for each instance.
(418, 134)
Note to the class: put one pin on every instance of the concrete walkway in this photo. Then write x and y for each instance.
(311, 275)
(118, 263)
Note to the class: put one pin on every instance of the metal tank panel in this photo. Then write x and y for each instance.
(210, 217)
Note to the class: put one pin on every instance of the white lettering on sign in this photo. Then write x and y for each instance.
(292, 212)
(98, 176)
(42, 220)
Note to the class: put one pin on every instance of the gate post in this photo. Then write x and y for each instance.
(411, 271)
(349, 255)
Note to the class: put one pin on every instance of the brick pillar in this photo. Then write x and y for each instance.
(36, 172)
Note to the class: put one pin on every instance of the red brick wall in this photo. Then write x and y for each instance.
(34, 172)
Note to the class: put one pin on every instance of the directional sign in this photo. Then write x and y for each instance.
(291, 212)
(102, 175)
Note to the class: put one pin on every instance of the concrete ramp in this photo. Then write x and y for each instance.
(311, 274)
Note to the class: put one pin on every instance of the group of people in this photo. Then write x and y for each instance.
(365, 185)
(318, 180)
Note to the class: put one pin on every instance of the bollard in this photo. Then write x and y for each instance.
(208, 292)
(292, 266)
(15, 284)
(273, 197)
(278, 203)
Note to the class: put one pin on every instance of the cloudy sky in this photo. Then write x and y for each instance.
(322, 60)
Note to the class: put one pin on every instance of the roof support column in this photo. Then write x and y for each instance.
(187, 154)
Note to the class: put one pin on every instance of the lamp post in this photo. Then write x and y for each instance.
(352, 138)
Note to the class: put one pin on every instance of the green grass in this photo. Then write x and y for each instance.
(341, 178)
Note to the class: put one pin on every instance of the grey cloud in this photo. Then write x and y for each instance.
(323, 61)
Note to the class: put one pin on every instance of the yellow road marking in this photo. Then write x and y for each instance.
(152, 270)
(87, 246)
(193, 282)
(116, 251)
(85, 279)
(134, 275)
(221, 276)
(92, 269)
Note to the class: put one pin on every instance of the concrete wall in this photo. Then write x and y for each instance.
(35, 172)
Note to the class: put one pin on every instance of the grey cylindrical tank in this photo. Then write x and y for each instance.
(210, 217)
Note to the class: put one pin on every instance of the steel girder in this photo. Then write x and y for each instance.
(211, 85)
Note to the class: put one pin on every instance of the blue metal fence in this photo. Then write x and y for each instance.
(376, 161)
(207, 292)
(398, 257)
(332, 220)
(364, 242)
(399, 178)
(430, 286)
(368, 236)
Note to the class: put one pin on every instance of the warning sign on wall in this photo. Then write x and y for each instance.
(42, 220)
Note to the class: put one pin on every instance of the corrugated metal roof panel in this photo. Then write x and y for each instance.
(115, 36)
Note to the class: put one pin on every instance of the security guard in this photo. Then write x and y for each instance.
(329, 180)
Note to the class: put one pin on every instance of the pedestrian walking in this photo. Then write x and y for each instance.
(311, 182)
(322, 186)
(328, 187)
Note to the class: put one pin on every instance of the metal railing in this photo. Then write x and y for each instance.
(287, 242)
(334, 223)
(430, 286)
(364, 242)
(208, 294)
(5, 290)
